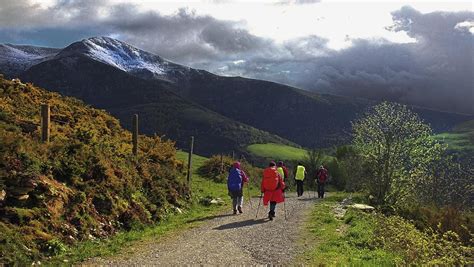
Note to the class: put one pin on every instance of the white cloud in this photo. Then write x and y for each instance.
(465, 26)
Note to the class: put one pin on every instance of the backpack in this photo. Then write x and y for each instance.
(234, 180)
(270, 180)
(322, 175)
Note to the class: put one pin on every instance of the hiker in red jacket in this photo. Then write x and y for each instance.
(272, 188)
(321, 179)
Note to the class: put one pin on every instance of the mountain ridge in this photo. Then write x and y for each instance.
(309, 119)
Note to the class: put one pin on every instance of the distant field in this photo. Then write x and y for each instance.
(460, 139)
(277, 151)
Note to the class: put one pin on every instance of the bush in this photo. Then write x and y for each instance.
(83, 184)
(214, 170)
(443, 220)
(393, 233)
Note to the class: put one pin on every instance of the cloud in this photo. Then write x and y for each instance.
(436, 71)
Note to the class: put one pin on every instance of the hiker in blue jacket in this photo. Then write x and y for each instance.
(235, 185)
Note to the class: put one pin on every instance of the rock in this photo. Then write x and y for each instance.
(22, 197)
(362, 207)
(347, 201)
(3, 195)
(217, 201)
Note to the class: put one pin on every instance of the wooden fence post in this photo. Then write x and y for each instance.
(45, 123)
(135, 134)
(190, 160)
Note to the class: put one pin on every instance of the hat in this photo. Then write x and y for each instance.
(272, 163)
(280, 163)
(236, 165)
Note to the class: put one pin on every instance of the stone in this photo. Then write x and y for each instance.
(362, 207)
(22, 197)
(3, 195)
(217, 201)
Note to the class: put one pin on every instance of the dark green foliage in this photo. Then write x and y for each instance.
(351, 168)
(83, 185)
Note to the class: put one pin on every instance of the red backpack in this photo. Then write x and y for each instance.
(270, 179)
(322, 175)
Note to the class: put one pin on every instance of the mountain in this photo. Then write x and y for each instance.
(15, 59)
(113, 75)
(306, 118)
(161, 111)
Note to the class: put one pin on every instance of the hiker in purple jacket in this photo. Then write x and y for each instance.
(235, 185)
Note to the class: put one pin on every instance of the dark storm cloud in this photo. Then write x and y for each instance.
(436, 71)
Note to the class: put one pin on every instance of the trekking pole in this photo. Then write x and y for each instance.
(256, 215)
(284, 204)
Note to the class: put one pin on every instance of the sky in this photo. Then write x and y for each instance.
(416, 52)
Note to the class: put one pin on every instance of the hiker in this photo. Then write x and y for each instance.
(299, 178)
(282, 170)
(272, 188)
(235, 183)
(321, 179)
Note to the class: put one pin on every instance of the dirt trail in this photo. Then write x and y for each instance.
(229, 239)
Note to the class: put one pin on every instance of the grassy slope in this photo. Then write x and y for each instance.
(84, 184)
(341, 242)
(277, 151)
(461, 139)
(281, 152)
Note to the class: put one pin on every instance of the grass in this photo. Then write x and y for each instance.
(193, 216)
(342, 242)
(277, 151)
(461, 139)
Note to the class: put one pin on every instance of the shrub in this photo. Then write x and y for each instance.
(214, 170)
(393, 233)
(83, 184)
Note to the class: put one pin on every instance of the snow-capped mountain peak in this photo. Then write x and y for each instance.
(15, 59)
(122, 56)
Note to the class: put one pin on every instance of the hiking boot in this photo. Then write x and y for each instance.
(271, 215)
(240, 209)
(235, 212)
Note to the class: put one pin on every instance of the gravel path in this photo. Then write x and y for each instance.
(229, 239)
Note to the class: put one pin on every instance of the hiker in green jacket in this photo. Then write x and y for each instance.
(299, 178)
